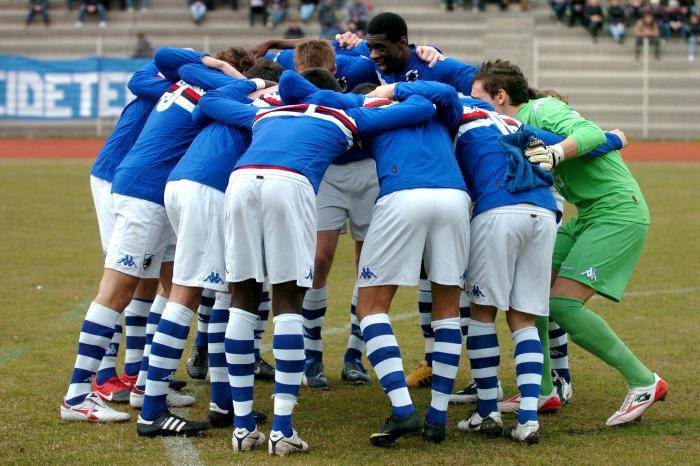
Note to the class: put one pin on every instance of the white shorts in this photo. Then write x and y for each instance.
(414, 225)
(141, 234)
(102, 197)
(196, 213)
(270, 227)
(510, 261)
(348, 192)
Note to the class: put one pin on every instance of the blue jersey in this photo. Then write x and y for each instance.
(147, 85)
(305, 138)
(214, 152)
(417, 156)
(165, 137)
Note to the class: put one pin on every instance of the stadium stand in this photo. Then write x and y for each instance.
(603, 81)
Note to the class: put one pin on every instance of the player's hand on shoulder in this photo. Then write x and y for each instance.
(620, 134)
(348, 40)
(386, 91)
(429, 55)
(260, 49)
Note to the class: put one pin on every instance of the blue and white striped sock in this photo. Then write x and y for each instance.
(108, 365)
(135, 319)
(383, 352)
(313, 310)
(356, 345)
(448, 347)
(528, 369)
(484, 357)
(95, 336)
(464, 314)
(206, 302)
(288, 348)
(154, 314)
(240, 360)
(166, 351)
(263, 315)
(559, 350)
(425, 309)
(218, 372)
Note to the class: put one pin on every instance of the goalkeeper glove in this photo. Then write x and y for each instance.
(547, 157)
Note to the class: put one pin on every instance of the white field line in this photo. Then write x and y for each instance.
(180, 450)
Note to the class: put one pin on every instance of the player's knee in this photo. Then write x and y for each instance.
(563, 308)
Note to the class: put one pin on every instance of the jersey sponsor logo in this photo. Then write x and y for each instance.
(127, 261)
(214, 277)
(310, 275)
(411, 75)
(476, 292)
(366, 273)
(590, 273)
(147, 260)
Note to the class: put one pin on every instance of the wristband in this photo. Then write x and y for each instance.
(259, 83)
(558, 153)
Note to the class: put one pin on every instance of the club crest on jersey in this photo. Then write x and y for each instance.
(366, 273)
(590, 273)
(147, 260)
(127, 261)
(411, 75)
(343, 83)
(476, 292)
(214, 277)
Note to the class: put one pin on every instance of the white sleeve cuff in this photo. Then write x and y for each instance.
(259, 83)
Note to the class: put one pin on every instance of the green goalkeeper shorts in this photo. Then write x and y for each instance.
(599, 254)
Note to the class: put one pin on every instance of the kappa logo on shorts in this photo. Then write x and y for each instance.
(590, 273)
(366, 273)
(476, 292)
(147, 261)
(128, 261)
(464, 275)
(214, 277)
(310, 275)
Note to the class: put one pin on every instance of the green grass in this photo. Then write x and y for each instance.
(48, 239)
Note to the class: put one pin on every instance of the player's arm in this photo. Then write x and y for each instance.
(148, 83)
(262, 48)
(449, 109)
(360, 68)
(169, 60)
(225, 104)
(612, 141)
(295, 89)
(413, 111)
(455, 73)
(201, 76)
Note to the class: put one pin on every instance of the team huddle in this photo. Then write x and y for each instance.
(226, 183)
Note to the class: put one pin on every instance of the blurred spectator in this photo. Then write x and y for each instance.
(276, 12)
(129, 5)
(143, 47)
(91, 7)
(594, 18)
(358, 13)
(294, 31)
(257, 7)
(634, 12)
(647, 28)
(616, 21)
(559, 9)
(69, 4)
(449, 4)
(477, 5)
(658, 11)
(338, 4)
(198, 10)
(38, 7)
(576, 9)
(307, 10)
(688, 8)
(329, 22)
(675, 21)
(693, 32)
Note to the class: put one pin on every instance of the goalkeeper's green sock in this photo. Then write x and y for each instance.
(547, 387)
(588, 330)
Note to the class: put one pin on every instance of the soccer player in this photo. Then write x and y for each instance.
(421, 215)
(150, 85)
(141, 232)
(596, 251)
(280, 172)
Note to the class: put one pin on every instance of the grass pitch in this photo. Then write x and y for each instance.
(51, 264)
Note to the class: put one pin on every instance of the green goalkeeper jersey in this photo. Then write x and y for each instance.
(601, 188)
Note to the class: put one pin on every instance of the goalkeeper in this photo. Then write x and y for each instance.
(596, 251)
